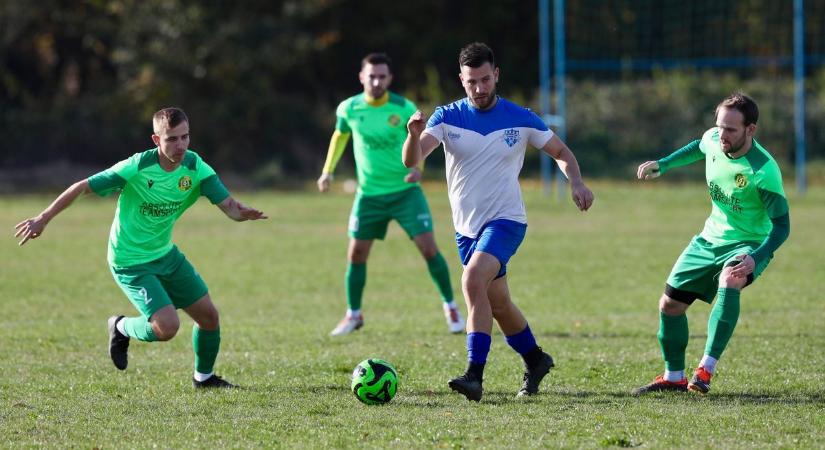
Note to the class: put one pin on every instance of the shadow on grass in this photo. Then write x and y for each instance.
(797, 398)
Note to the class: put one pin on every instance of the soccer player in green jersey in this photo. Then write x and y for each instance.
(748, 221)
(156, 187)
(376, 119)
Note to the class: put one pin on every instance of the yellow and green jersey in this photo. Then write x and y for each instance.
(151, 201)
(746, 193)
(378, 130)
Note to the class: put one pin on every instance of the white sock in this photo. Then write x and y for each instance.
(674, 375)
(709, 363)
(203, 376)
(450, 305)
(353, 312)
(120, 327)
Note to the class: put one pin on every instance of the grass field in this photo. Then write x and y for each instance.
(588, 283)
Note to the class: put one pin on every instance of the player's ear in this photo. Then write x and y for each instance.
(750, 130)
(156, 139)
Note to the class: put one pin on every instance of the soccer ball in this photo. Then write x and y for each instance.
(374, 381)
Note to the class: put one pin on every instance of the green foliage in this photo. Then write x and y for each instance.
(588, 282)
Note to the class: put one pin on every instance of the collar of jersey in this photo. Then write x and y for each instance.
(377, 101)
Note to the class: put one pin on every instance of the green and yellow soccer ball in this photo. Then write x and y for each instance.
(374, 381)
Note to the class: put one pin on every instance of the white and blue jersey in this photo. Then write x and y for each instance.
(484, 153)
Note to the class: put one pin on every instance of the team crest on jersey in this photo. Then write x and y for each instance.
(453, 135)
(185, 183)
(740, 180)
(511, 137)
(394, 120)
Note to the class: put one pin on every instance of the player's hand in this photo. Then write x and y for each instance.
(323, 182)
(414, 175)
(648, 170)
(582, 196)
(416, 124)
(744, 268)
(247, 213)
(30, 229)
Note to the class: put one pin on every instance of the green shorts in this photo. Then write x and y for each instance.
(696, 272)
(168, 280)
(371, 214)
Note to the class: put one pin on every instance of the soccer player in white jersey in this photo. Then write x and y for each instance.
(485, 138)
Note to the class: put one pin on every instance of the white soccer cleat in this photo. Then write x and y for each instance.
(347, 325)
(454, 320)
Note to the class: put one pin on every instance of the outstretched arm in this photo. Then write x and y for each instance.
(558, 150)
(681, 157)
(33, 227)
(239, 212)
(418, 144)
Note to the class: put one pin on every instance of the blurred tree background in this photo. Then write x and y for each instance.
(79, 80)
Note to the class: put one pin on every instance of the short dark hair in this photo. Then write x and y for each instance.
(742, 103)
(475, 55)
(168, 118)
(376, 58)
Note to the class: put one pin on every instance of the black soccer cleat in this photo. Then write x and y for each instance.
(659, 384)
(118, 344)
(467, 385)
(213, 382)
(534, 375)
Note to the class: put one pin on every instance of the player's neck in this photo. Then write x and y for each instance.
(377, 101)
(167, 164)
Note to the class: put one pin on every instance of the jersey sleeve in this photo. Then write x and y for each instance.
(540, 135)
(772, 194)
(435, 125)
(341, 124)
(681, 157)
(114, 178)
(211, 186)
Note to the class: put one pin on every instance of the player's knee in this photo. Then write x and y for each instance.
(472, 280)
(726, 280)
(671, 307)
(209, 321)
(166, 327)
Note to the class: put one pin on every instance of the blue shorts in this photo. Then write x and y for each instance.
(500, 238)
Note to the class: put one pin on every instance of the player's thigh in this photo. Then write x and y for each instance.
(501, 238)
(695, 273)
(143, 289)
(183, 283)
(369, 218)
(728, 257)
(412, 212)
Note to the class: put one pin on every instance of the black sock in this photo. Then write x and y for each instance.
(476, 370)
(533, 357)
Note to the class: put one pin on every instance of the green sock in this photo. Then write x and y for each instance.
(441, 276)
(206, 344)
(722, 321)
(673, 339)
(139, 328)
(356, 279)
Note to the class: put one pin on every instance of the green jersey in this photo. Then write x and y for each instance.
(151, 201)
(378, 133)
(747, 196)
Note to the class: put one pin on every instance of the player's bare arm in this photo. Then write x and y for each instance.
(648, 170)
(33, 227)
(558, 150)
(239, 212)
(418, 144)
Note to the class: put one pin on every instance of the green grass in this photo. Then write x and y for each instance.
(588, 283)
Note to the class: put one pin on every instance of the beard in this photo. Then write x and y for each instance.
(735, 146)
(484, 102)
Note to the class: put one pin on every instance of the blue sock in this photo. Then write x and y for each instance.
(523, 341)
(478, 346)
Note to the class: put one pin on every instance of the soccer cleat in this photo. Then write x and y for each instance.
(347, 325)
(701, 381)
(534, 375)
(659, 384)
(454, 320)
(118, 344)
(213, 382)
(468, 386)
